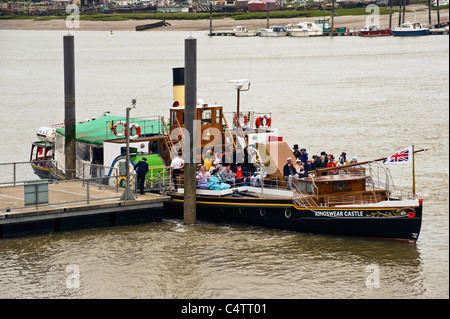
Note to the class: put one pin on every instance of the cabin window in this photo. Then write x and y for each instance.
(206, 117)
(153, 147)
(173, 120)
(218, 116)
(302, 187)
(97, 155)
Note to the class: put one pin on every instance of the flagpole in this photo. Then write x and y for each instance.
(413, 173)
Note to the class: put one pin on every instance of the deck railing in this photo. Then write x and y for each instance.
(41, 193)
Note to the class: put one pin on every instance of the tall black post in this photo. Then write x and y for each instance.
(390, 14)
(438, 15)
(404, 9)
(332, 15)
(190, 99)
(210, 18)
(429, 13)
(69, 107)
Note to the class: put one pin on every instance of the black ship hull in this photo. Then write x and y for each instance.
(386, 222)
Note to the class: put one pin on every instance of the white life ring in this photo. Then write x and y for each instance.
(115, 128)
(263, 121)
(138, 131)
(132, 125)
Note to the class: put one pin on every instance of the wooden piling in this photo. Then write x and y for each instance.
(210, 18)
(190, 56)
(390, 14)
(438, 14)
(69, 107)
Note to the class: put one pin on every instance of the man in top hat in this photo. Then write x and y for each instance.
(141, 169)
(289, 171)
(297, 152)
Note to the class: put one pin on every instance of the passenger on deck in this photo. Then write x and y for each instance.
(299, 168)
(176, 166)
(297, 153)
(208, 160)
(227, 175)
(215, 182)
(316, 161)
(304, 155)
(342, 159)
(202, 177)
(241, 175)
(289, 172)
(214, 166)
(354, 160)
(331, 160)
(260, 172)
(321, 162)
(309, 167)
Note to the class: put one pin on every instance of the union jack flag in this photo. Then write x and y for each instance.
(401, 157)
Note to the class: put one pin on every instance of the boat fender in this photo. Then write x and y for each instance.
(263, 121)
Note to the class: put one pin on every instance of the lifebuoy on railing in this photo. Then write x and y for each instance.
(132, 125)
(138, 131)
(263, 121)
(118, 123)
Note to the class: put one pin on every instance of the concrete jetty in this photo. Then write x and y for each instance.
(73, 205)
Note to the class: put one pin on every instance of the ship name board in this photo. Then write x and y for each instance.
(344, 213)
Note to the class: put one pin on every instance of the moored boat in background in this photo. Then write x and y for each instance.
(373, 31)
(275, 31)
(242, 31)
(304, 29)
(411, 29)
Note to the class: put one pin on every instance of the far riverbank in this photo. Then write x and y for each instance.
(415, 13)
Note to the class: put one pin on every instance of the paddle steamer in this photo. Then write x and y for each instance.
(350, 200)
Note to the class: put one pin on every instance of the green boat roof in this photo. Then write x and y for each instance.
(98, 130)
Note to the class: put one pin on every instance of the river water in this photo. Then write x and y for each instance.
(369, 97)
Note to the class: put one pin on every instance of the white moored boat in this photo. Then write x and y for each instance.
(241, 31)
(275, 31)
(304, 29)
